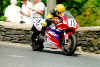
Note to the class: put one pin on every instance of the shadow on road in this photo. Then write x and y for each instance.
(59, 52)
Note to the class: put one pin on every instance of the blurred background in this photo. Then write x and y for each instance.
(86, 12)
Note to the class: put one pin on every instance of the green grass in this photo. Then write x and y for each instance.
(2, 18)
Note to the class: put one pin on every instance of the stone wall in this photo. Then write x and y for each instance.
(89, 41)
(15, 35)
(88, 37)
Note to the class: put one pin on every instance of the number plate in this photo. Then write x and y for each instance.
(72, 22)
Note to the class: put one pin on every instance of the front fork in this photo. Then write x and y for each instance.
(66, 36)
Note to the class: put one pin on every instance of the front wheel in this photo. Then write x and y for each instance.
(69, 46)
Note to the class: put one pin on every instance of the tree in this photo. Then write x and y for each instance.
(87, 10)
(3, 5)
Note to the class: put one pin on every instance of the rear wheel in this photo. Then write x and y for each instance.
(70, 45)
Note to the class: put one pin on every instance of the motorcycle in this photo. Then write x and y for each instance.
(61, 34)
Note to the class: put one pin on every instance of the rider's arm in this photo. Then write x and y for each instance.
(28, 13)
(60, 19)
(49, 21)
(39, 12)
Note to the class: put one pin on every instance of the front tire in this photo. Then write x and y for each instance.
(69, 48)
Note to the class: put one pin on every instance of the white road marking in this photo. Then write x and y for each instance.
(16, 56)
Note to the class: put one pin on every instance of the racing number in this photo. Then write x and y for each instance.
(71, 22)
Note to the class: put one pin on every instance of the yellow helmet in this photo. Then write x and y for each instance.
(60, 8)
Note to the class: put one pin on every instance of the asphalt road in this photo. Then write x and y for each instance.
(11, 56)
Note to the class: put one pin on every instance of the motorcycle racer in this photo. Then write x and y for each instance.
(59, 32)
(56, 13)
(53, 18)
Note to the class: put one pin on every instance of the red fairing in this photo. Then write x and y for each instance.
(52, 38)
(67, 24)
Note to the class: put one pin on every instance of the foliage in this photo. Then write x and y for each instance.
(19, 3)
(2, 18)
(86, 12)
(44, 1)
(3, 5)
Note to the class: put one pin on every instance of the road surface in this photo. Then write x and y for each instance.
(14, 56)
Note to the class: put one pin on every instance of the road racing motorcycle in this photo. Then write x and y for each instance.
(61, 34)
